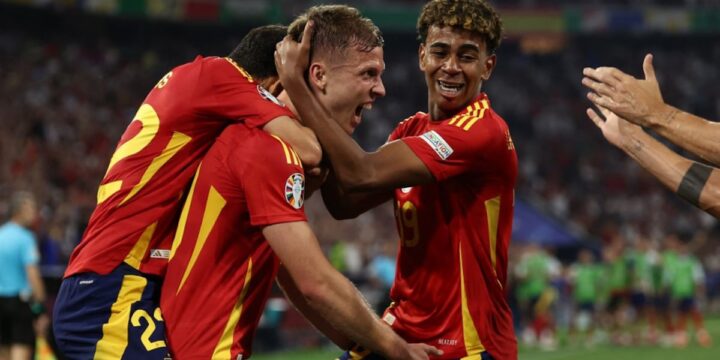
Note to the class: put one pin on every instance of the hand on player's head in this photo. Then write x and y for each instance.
(292, 58)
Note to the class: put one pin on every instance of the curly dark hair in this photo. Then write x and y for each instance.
(477, 16)
(337, 28)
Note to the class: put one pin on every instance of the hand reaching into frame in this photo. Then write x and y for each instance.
(636, 100)
(615, 129)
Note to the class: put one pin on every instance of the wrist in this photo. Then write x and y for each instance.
(396, 348)
(663, 117)
(37, 308)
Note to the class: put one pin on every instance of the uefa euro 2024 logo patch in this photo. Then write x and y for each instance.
(295, 190)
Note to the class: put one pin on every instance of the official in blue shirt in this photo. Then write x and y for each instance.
(22, 293)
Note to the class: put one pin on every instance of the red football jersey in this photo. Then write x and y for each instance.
(221, 267)
(138, 199)
(454, 235)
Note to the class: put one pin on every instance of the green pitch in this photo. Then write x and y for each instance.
(604, 352)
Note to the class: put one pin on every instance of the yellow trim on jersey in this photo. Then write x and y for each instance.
(137, 254)
(492, 208)
(214, 205)
(240, 69)
(183, 216)
(290, 156)
(296, 158)
(473, 345)
(107, 190)
(115, 331)
(224, 346)
(474, 113)
(177, 142)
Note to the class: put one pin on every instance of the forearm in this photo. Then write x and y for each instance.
(692, 133)
(343, 205)
(697, 183)
(35, 279)
(344, 309)
(317, 319)
(326, 291)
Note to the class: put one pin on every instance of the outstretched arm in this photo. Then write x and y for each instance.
(697, 183)
(394, 165)
(640, 102)
(327, 292)
(298, 300)
(343, 205)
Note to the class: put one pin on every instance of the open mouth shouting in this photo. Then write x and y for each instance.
(358, 114)
(449, 89)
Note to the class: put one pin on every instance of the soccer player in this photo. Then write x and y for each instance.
(586, 278)
(107, 306)
(244, 216)
(686, 279)
(627, 103)
(451, 172)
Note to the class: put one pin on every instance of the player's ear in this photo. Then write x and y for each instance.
(421, 56)
(318, 76)
(488, 67)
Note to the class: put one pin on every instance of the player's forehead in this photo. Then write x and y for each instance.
(454, 38)
(359, 60)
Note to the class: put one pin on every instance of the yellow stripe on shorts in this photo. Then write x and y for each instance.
(115, 331)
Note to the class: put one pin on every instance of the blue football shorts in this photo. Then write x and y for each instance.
(109, 317)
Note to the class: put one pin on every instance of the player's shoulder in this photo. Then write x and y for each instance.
(227, 67)
(418, 117)
(477, 116)
(411, 122)
(258, 145)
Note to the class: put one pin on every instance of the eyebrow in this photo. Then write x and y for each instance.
(463, 47)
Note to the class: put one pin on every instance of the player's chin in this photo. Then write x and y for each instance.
(451, 105)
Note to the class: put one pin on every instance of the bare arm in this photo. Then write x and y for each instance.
(329, 293)
(36, 283)
(343, 205)
(692, 133)
(640, 102)
(296, 297)
(393, 165)
(697, 183)
(302, 139)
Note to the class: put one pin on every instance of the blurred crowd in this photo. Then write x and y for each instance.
(69, 88)
(644, 293)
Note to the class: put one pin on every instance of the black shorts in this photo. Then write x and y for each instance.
(16, 322)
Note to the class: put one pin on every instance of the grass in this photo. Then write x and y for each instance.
(604, 352)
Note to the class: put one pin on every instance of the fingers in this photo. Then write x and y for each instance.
(281, 50)
(278, 60)
(595, 117)
(598, 87)
(431, 350)
(605, 111)
(307, 35)
(601, 101)
(648, 68)
(608, 75)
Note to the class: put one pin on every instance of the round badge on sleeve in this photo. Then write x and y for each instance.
(295, 190)
(268, 96)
